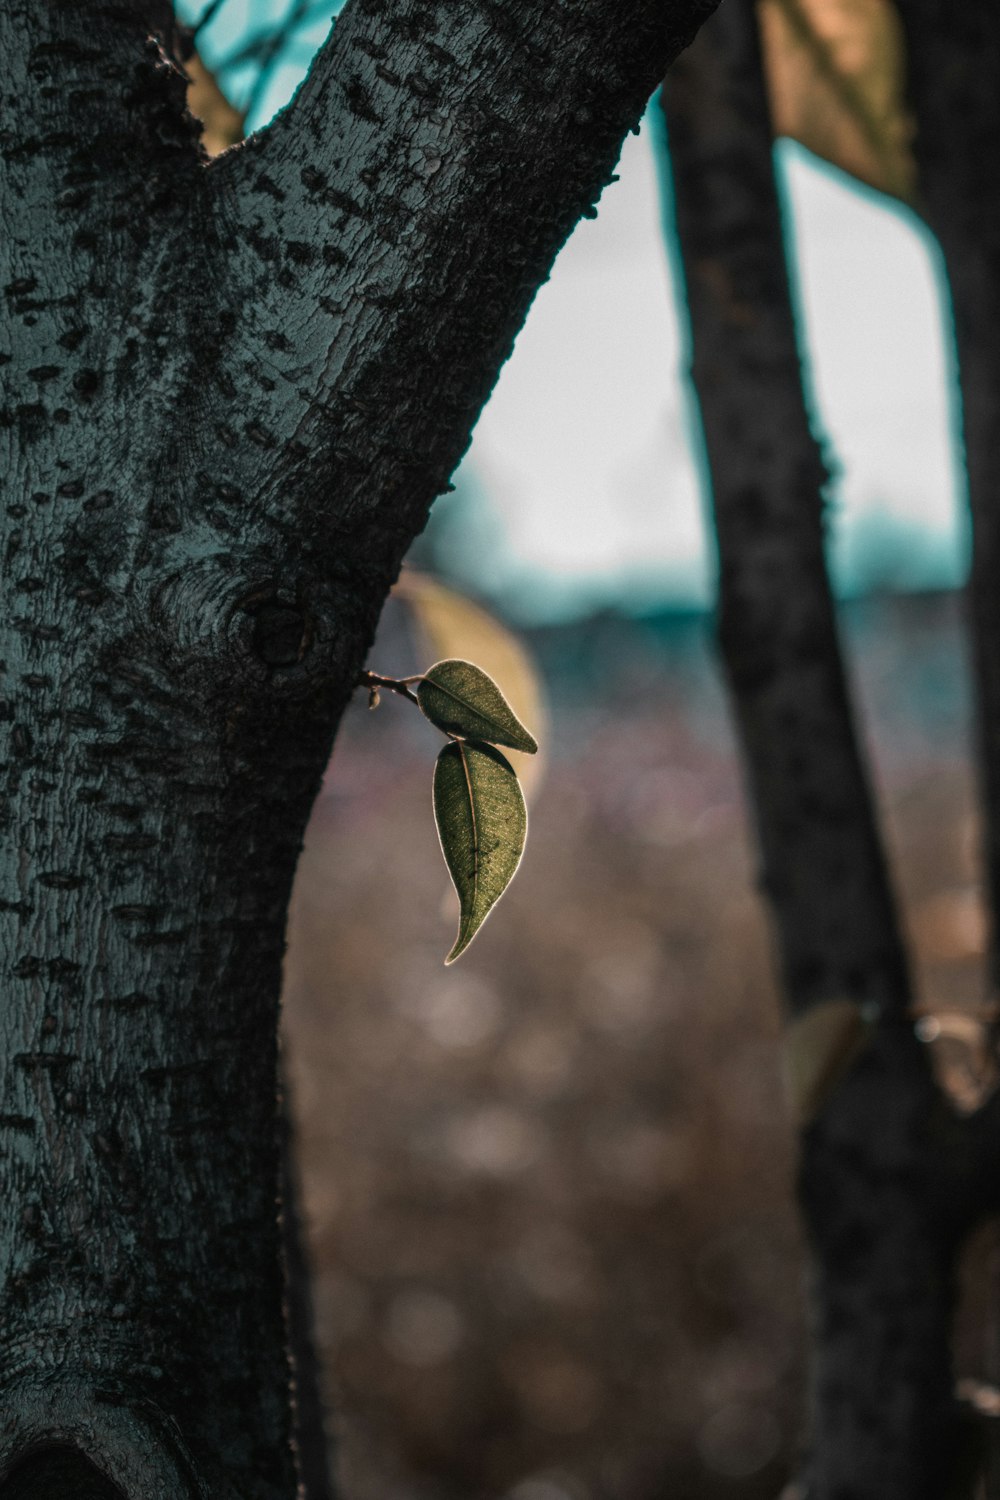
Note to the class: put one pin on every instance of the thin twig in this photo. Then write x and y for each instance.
(401, 685)
(208, 14)
(270, 54)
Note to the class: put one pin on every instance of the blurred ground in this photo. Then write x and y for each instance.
(550, 1189)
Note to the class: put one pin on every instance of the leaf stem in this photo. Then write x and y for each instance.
(401, 685)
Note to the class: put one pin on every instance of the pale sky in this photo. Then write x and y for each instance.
(584, 447)
(583, 453)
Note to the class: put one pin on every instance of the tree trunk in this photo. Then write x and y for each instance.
(230, 393)
(889, 1180)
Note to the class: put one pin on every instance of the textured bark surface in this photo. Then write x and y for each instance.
(229, 395)
(953, 68)
(889, 1180)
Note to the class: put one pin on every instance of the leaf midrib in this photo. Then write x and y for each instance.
(475, 824)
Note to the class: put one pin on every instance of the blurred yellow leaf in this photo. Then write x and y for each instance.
(223, 124)
(820, 1046)
(451, 625)
(836, 72)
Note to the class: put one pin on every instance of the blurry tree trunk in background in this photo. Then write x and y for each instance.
(954, 86)
(230, 394)
(890, 1179)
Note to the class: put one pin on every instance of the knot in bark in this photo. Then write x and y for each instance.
(62, 1436)
(233, 627)
(281, 634)
(57, 1470)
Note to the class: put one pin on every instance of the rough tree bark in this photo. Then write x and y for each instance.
(890, 1180)
(230, 393)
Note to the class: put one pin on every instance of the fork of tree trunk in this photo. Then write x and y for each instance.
(230, 393)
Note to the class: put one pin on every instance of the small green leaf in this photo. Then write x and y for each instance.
(460, 699)
(482, 822)
(448, 624)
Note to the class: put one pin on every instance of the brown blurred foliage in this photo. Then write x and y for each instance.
(223, 124)
(836, 75)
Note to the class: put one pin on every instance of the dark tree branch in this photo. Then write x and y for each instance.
(270, 50)
(206, 18)
(389, 231)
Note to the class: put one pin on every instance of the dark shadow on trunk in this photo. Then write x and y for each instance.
(57, 1473)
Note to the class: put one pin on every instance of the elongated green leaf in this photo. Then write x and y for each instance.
(482, 822)
(460, 699)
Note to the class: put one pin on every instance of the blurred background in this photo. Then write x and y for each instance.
(550, 1191)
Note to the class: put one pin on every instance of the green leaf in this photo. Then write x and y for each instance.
(449, 624)
(460, 699)
(482, 822)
